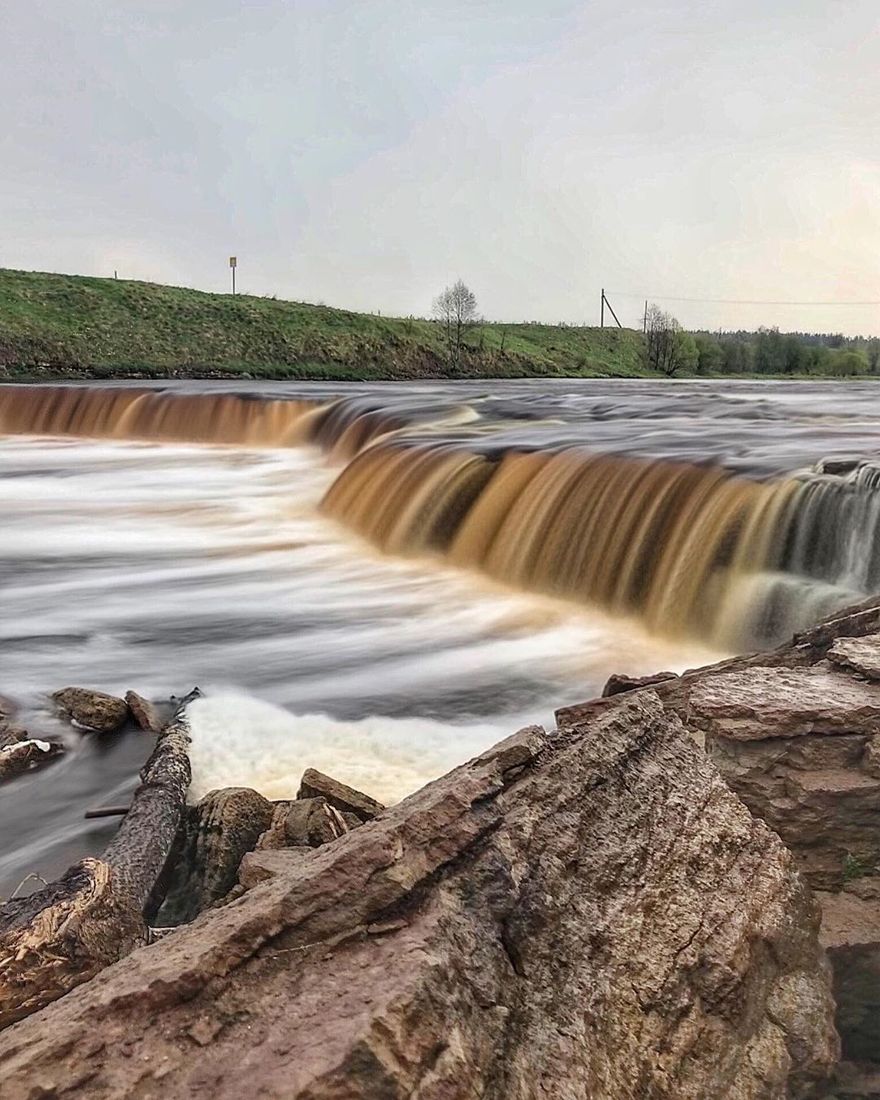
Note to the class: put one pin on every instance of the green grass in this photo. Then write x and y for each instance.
(75, 326)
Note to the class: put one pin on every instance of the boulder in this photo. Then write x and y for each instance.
(343, 798)
(146, 714)
(224, 826)
(589, 915)
(92, 710)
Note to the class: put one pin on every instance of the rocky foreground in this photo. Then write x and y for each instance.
(674, 894)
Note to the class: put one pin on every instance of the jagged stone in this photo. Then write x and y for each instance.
(342, 797)
(218, 832)
(93, 710)
(859, 654)
(619, 683)
(147, 715)
(605, 921)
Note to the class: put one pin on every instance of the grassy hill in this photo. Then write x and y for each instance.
(68, 325)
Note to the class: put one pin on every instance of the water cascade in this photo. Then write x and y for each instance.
(692, 550)
(131, 413)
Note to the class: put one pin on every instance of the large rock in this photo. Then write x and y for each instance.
(589, 915)
(93, 710)
(224, 826)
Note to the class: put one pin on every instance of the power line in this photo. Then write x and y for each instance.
(735, 301)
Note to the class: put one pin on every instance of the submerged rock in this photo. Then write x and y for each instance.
(93, 710)
(589, 914)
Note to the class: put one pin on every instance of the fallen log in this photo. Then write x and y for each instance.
(65, 933)
(106, 811)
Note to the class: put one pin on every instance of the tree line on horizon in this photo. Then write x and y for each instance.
(673, 350)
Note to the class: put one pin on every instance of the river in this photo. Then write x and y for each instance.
(381, 580)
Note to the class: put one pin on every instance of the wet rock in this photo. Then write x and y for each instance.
(19, 757)
(345, 799)
(311, 822)
(218, 832)
(145, 713)
(610, 923)
(619, 683)
(92, 710)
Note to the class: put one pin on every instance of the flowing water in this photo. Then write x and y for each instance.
(381, 580)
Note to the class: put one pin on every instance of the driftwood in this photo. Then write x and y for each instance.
(62, 935)
(106, 811)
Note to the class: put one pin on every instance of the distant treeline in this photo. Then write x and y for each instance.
(769, 351)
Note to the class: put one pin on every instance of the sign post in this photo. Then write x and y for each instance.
(233, 263)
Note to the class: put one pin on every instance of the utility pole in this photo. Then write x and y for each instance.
(645, 322)
(233, 263)
(605, 303)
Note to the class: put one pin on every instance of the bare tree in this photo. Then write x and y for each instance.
(456, 309)
(670, 348)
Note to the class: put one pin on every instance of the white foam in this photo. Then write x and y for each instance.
(239, 740)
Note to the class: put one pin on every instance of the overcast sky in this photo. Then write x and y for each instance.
(366, 153)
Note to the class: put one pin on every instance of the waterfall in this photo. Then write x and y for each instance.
(692, 550)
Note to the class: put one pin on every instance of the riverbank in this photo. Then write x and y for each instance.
(70, 326)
